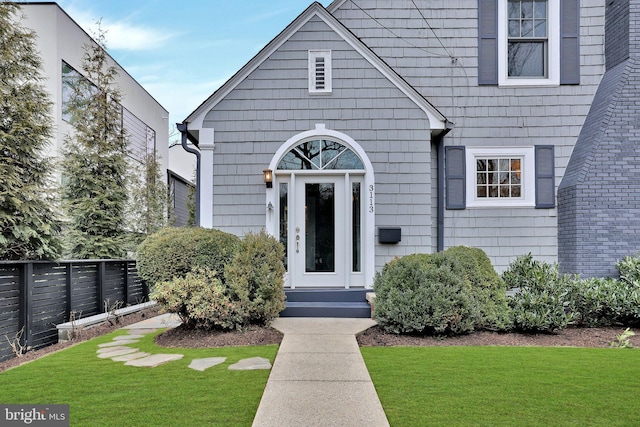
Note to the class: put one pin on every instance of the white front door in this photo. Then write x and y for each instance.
(319, 232)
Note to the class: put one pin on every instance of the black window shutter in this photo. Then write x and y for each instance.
(487, 42)
(455, 177)
(570, 42)
(545, 177)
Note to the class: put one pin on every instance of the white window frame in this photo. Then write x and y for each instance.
(553, 49)
(326, 54)
(527, 154)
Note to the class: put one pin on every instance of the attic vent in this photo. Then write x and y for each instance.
(319, 71)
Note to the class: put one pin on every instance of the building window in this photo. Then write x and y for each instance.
(527, 38)
(320, 155)
(74, 83)
(529, 42)
(500, 177)
(319, 71)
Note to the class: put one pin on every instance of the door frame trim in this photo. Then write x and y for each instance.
(368, 193)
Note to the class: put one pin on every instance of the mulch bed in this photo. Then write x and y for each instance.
(190, 338)
(570, 337)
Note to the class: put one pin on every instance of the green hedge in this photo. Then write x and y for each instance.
(246, 287)
(453, 292)
(173, 252)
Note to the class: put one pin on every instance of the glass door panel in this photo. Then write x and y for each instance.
(320, 235)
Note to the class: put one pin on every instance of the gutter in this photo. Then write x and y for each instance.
(439, 140)
(182, 127)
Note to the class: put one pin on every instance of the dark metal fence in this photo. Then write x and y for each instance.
(35, 296)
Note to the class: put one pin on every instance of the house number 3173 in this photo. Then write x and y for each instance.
(371, 198)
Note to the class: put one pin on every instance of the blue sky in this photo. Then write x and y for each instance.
(181, 51)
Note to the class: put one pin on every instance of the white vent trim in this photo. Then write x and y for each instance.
(320, 72)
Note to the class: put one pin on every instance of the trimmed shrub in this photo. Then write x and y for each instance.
(174, 252)
(201, 300)
(487, 288)
(256, 276)
(629, 268)
(421, 294)
(598, 301)
(542, 303)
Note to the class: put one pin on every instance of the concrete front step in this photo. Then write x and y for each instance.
(337, 302)
(327, 309)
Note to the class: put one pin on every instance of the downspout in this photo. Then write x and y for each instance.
(182, 127)
(439, 140)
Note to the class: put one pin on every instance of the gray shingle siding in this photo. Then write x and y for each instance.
(440, 60)
(272, 104)
(484, 115)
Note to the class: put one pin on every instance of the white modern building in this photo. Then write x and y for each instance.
(60, 42)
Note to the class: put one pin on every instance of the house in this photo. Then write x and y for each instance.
(61, 41)
(370, 129)
(180, 176)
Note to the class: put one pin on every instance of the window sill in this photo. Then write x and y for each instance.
(501, 204)
(515, 83)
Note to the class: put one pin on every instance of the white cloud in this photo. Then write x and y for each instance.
(122, 35)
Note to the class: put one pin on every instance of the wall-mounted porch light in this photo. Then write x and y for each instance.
(268, 177)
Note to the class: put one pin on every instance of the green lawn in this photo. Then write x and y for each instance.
(101, 392)
(504, 386)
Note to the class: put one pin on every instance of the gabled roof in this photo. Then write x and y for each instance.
(436, 119)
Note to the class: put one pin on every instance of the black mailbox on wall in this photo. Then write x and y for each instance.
(389, 235)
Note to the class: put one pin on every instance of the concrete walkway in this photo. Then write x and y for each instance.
(319, 377)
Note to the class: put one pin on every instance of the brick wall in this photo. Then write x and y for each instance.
(599, 197)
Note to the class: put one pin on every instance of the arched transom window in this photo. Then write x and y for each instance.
(320, 155)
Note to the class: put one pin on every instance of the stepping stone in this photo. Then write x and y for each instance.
(154, 360)
(110, 354)
(106, 350)
(202, 364)
(128, 337)
(250, 364)
(117, 343)
(130, 356)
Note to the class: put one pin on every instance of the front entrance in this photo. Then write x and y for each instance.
(321, 209)
(319, 231)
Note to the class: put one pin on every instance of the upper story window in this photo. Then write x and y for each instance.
(74, 82)
(76, 93)
(319, 71)
(528, 42)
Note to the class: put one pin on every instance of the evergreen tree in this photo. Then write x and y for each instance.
(148, 201)
(27, 221)
(94, 166)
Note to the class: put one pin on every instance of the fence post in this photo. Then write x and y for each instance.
(126, 283)
(26, 308)
(101, 280)
(68, 281)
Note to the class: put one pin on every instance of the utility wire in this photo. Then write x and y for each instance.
(434, 33)
(400, 37)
